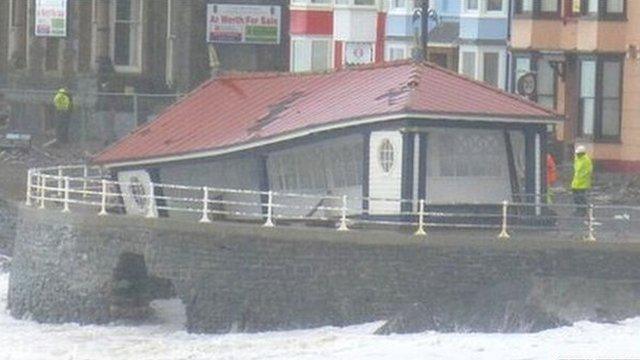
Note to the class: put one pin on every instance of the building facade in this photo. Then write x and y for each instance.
(327, 34)
(587, 70)
(120, 47)
(484, 36)
(469, 36)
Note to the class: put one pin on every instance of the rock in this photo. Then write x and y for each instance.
(416, 318)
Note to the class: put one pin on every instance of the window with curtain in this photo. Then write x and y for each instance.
(614, 7)
(491, 66)
(470, 153)
(127, 42)
(600, 97)
(611, 101)
(469, 63)
(310, 55)
(546, 84)
(538, 8)
(587, 96)
(549, 6)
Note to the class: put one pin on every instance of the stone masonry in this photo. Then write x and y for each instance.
(242, 277)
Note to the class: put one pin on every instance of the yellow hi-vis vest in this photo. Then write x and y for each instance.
(62, 101)
(582, 173)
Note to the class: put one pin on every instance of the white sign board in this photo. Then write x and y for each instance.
(358, 53)
(135, 187)
(243, 24)
(51, 18)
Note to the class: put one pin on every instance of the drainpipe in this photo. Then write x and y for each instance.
(508, 79)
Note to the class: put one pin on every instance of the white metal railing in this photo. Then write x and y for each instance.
(83, 187)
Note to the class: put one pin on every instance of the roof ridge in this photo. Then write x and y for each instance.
(240, 75)
(412, 83)
(490, 87)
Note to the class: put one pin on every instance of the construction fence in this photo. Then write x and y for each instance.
(96, 117)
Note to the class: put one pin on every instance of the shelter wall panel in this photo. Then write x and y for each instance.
(385, 183)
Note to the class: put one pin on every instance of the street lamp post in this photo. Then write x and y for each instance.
(422, 12)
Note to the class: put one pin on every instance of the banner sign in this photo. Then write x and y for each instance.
(51, 18)
(243, 24)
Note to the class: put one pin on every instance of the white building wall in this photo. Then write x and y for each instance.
(383, 184)
(355, 24)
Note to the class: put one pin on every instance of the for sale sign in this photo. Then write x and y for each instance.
(243, 24)
(51, 18)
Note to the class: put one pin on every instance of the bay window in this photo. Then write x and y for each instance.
(600, 97)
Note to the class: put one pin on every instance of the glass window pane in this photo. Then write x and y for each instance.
(396, 53)
(320, 55)
(588, 115)
(592, 6)
(526, 5)
(545, 79)
(615, 6)
(364, 2)
(469, 64)
(491, 64)
(611, 117)
(301, 55)
(588, 78)
(471, 4)
(611, 79)
(549, 6)
(122, 49)
(123, 10)
(494, 5)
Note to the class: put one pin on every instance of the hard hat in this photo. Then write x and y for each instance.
(580, 149)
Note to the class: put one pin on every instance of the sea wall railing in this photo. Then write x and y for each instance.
(85, 188)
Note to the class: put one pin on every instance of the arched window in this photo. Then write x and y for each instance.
(385, 155)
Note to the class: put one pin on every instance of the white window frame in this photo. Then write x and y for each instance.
(482, 10)
(136, 68)
(352, 4)
(479, 70)
(304, 4)
(406, 49)
(310, 39)
(394, 9)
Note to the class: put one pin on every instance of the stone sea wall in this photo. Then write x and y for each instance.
(242, 277)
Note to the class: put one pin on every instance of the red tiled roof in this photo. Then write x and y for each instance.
(243, 109)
